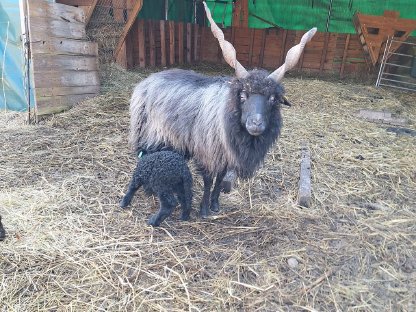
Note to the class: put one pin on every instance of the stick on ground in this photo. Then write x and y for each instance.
(305, 177)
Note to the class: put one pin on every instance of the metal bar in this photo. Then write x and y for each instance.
(403, 42)
(398, 65)
(396, 75)
(383, 60)
(386, 85)
(409, 83)
(401, 54)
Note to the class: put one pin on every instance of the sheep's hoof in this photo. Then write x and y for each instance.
(185, 217)
(154, 221)
(124, 203)
(226, 187)
(215, 206)
(204, 212)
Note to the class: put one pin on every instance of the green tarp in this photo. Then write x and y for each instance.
(327, 15)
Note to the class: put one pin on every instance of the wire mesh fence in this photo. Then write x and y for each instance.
(106, 25)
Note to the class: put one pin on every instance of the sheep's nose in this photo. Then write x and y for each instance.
(255, 124)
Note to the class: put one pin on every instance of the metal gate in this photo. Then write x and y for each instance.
(398, 69)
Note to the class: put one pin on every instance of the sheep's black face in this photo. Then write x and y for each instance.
(258, 97)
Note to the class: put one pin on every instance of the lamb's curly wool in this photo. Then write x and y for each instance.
(2, 231)
(163, 174)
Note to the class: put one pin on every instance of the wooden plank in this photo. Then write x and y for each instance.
(196, 32)
(344, 56)
(132, 18)
(74, 2)
(46, 63)
(60, 12)
(58, 104)
(58, 91)
(162, 44)
(44, 28)
(121, 58)
(324, 52)
(250, 54)
(263, 44)
(129, 50)
(180, 42)
(283, 55)
(188, 42)
(142, 47)
(67, 79)
(305, 177)
(61, 46)
(171, 42)
(118, 10)
(152, 43)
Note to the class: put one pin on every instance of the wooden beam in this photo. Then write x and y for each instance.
(132, 18)
(282, 58)
(152, 44)
(344, 56)
(142, 47)
(162, 44)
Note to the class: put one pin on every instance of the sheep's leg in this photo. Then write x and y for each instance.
(133, 187)
(204, 207)
(215, 204)
(185, 198)
(167, 203)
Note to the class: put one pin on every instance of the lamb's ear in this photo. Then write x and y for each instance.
(292, 56)
(227, 48)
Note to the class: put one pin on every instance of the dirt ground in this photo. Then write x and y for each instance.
(69, 246)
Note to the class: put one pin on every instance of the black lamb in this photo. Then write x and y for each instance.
(2, 231)
(162, 174)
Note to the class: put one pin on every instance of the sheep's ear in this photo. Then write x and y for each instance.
(227, 48)
(292, 56)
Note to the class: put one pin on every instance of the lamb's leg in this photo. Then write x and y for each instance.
(204, 207)
(167, 203)
(133, 187)
(215, 204)
(185, 198)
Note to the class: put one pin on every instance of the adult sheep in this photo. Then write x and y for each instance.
(221, 122)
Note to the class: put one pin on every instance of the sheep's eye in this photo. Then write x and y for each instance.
(272, 98)
(243, 96)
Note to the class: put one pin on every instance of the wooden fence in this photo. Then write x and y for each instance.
(167, 43)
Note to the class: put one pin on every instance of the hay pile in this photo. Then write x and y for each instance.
(69, 247)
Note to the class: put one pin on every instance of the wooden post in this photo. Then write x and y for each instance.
(152, 43)
(171, 42)
(188, 42)
(305, 177)
(240, 13)
(142, 48)
(325, 50)
(344, 56)
(196, 30)
(180, 42)
(263, 44)
(162, 44)
(250, 54)
(282, 58)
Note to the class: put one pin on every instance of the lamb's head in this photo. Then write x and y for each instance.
(257, 97)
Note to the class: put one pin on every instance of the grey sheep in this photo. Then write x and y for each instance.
(223, 123)
(162, 174)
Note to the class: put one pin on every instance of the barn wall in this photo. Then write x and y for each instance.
(266, 48)
(65, 63)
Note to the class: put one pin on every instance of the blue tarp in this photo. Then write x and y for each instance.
(12, 69)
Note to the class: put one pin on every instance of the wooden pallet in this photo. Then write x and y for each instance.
(373, 32)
